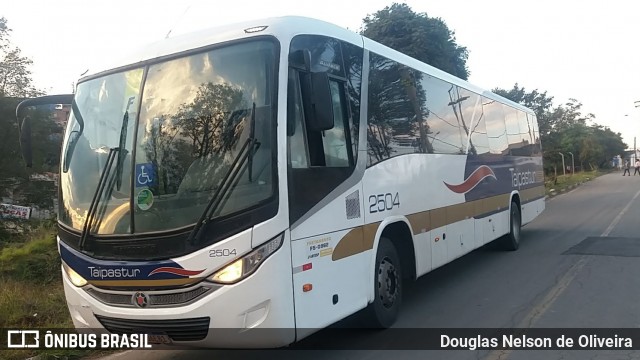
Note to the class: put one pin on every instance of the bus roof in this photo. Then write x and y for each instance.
(285, 27)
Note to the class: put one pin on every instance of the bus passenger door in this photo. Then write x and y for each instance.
(325, 197)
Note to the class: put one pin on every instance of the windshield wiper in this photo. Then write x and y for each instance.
(122, 144)
(92, 221)
(252, 135)
(88, 221)
(246, 153)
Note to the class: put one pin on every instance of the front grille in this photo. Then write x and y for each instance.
(178, 330)
(110, 298)
(176, 298)
(155, 299)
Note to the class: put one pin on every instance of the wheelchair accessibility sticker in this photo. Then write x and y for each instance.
(145, 175)
(144, 199)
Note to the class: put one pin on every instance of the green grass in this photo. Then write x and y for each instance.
(563, 182)
(34, 259)
(32, 295)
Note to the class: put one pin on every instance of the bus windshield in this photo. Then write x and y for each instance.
(177, 127)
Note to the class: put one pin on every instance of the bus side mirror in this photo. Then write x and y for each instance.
(25, 141)
(301, 60)
(291, 111)
(66, 159)
(321, 106)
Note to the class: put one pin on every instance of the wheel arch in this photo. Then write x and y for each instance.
(515, 197)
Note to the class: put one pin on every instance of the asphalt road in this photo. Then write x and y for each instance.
(577, 267)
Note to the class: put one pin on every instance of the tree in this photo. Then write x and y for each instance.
(419, 36)
(537, 101)
(208, 120)
(15, 76)
(390, 89)
(590, 148)
(610, 142)
(207, 127)
(569, 115)
(565, 128)
(16, 84)
(9, 166)
(4, 34)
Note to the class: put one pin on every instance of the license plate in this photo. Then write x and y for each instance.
(159, 339)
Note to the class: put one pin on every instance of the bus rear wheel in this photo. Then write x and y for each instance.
(384, 309)
(511, 241)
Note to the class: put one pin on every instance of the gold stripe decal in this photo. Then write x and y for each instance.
(357, 240)
(361, 238)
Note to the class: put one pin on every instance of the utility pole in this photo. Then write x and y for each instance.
(564, 168)
(573, 165)
(635, 150)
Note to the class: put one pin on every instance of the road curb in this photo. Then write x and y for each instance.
(553, 193)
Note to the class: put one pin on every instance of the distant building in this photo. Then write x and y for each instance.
(60, 114)
(46, 176)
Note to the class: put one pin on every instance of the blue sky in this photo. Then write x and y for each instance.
(585, 50)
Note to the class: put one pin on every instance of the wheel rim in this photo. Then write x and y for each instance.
(388, 283)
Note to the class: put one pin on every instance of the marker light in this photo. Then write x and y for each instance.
(246, 265)
(74, 277)
(255, 29)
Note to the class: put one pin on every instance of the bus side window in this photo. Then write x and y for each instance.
(336, 141)
(298, 156)
(329, 148)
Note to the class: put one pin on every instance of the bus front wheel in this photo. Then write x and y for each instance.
(511, 241)
(384, 309)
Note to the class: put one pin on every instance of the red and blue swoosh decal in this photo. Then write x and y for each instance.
(473, 180)
(175, 271)
(97, 270)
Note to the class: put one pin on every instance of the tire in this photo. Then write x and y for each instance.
(383, 311)
(511, 241)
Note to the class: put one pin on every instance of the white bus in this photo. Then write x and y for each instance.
(279, 174)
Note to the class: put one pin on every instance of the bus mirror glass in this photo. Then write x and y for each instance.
(73, 140)
(291, 111)
(300, 59)
(25, 141)
(322, 107)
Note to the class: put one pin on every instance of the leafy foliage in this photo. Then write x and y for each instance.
(395, 99)
(205, 118)
(15, 76)
(563, 128)
(204, 127)
(15, 182)
(15, 85)
(566, 129)
(419, 36)
(539, 102)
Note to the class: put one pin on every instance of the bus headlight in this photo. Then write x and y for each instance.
(73, 276)
(247, 264)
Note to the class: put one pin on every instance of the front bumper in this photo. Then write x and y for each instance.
(254, 313)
